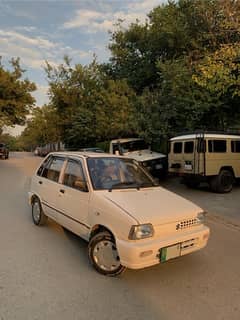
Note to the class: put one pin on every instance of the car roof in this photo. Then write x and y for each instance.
(205, 135)
(126, 140)
(84, 154)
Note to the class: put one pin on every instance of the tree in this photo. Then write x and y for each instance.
(177, 104)
(11, 141)
(42, 128)
(90, 106)
(184, 28)
(15, 95)
(218, 73)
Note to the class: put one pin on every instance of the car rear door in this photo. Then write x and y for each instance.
(47, 184)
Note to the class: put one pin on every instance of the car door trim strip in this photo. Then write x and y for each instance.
(64, 214)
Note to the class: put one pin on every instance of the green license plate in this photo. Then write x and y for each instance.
(170, 252)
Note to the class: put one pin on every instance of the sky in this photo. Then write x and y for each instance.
(40, 30)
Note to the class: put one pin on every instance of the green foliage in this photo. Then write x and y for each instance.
(91, 107)
(219, 71)
(177, 71)
(10, 141)
(177, 104)
(183, 63)
(42, 128)
(15, 95)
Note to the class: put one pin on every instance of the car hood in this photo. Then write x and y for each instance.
(153, 205)
(144, 155)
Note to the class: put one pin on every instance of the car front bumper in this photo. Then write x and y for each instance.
(144, 253)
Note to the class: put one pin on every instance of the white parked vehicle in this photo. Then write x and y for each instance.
(113, 203)
(137, 149)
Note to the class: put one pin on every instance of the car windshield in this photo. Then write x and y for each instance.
(117, 173)
(134, 145)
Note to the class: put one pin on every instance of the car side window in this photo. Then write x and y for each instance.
(44, 165)
(235, 146)
(188, 147)
(73, 176)
(53, 168)
(217, 146)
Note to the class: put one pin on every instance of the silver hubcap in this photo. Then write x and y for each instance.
(36, 211)
(106, 256)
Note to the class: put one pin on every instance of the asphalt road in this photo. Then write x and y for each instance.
(45, 273)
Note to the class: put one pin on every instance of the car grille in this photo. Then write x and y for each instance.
(186, 224)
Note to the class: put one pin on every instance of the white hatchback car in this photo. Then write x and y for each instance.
(111, 202)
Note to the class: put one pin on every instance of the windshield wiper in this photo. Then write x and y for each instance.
(116, 185)
(135, 184)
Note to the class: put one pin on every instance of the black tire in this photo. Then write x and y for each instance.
(223, 182)
(38, 216)
(105, 240)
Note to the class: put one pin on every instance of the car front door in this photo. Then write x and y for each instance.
(73, 199)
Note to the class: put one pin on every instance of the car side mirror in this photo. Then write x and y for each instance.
(81, 185)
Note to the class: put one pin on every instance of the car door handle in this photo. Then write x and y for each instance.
(40, 182)
(62, 190)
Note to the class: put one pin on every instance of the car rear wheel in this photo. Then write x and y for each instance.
(103, 254)
(38, 216)
(223, 182)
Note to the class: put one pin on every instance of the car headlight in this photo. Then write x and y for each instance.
(201, 217)
(141, 231)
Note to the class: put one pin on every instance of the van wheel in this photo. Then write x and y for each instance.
(223, 182)
(38, 216)
(103, 254)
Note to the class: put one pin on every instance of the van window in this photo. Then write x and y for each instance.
(235, 146)
(188, 147)
(53, 169)
(177, 147)
(217, 146)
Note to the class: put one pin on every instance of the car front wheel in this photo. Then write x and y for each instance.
(103, 254)
(38, 216)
